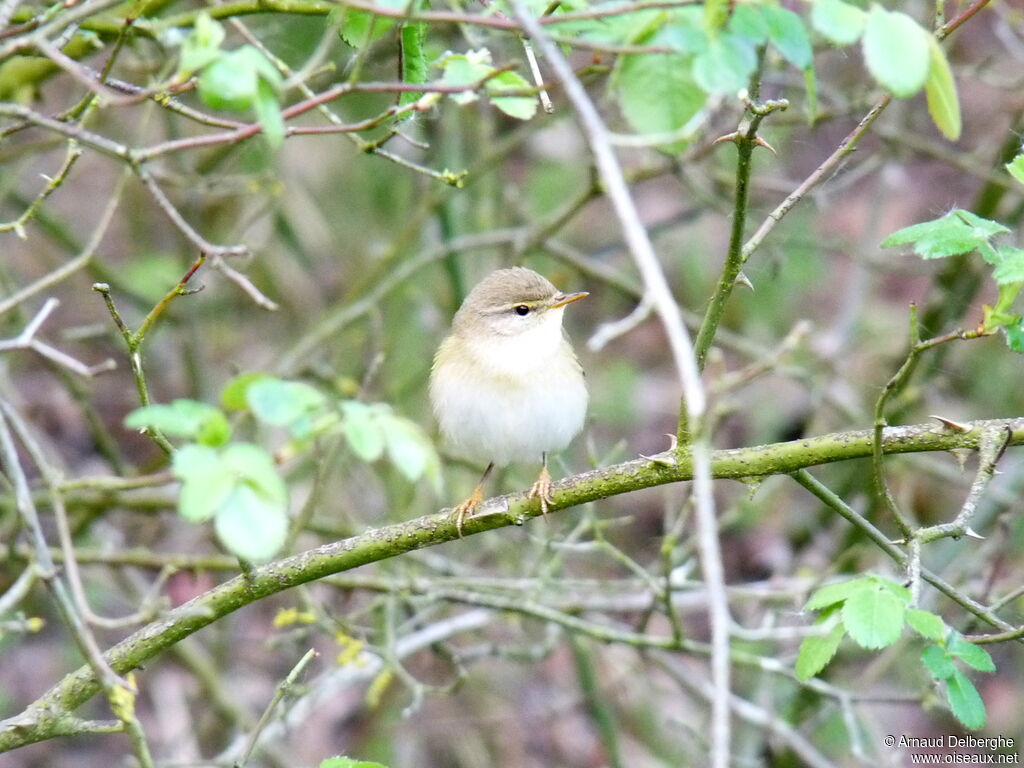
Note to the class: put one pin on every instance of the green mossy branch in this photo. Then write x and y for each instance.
(51, 714)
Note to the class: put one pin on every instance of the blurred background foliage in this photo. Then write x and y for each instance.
(366, 258)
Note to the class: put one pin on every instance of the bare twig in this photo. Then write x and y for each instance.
(83, 258)
(280, 692)
(186, 229)
(27, 340)
(833, 501)
(993, 444)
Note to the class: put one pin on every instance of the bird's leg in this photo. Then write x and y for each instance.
(468, 507)
(542, 488)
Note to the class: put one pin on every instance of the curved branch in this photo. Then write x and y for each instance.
(51, 714)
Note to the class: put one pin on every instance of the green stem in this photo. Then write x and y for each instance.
(135, 340)
(745, 141)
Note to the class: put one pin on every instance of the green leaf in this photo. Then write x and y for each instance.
(657, 92)
(283, 403)
(265, 70)
(233, 395)
(230, 82)
(873, 615)
(938, 662)
(747, 21)
(234, 80)
(201, 47)
(970, 654)
(896, 51)
(816, 652)
(183, 418)
(957, 232)
(940, 90)
(1009, 265)
(465, 70)
(240, 488)
(215, 429)
(348, 762)
(409, 449)
(989, 227)
(362, 430)
(1015, 335)
(901, 592)
(965, 701)
(1000, 314)
(831, 594)
(250, 526)
(726, 65)
(926, 624)
(192, 459)
(840, 23)
(359, 27)
(519, 107)
(252, 466)
(1016, 168)
(268, 114)
(682, 31)
(205, 483)
(414, 58)
(788, 34)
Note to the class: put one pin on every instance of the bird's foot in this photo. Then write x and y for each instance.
(467, 508)
(542, 490)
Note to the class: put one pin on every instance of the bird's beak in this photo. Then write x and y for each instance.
(562, 299)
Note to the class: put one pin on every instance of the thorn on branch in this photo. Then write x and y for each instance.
(661, 460)
(955, 426)
(735, 137)
(762, 143)
(742, 279)
(739, 137)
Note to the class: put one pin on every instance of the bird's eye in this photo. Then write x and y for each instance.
(522, 310)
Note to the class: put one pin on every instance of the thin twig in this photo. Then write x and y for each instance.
(833, 501)
(186, 229)
(83, 637)
(280, 692)
(27, 340)
(79, 261)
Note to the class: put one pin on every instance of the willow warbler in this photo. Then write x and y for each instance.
(506, 385)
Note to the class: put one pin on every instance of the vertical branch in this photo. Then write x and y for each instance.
(656, 287)
(745, 141)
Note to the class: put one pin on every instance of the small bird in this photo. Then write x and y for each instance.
(506, 385)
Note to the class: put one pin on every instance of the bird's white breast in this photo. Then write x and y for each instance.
(512, 398)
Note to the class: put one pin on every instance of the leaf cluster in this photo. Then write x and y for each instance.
(874, 611)
(236, 80)
(962, 232)
(238, 484)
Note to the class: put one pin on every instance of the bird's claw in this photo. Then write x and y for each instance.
(541, 490)
(467, 508)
